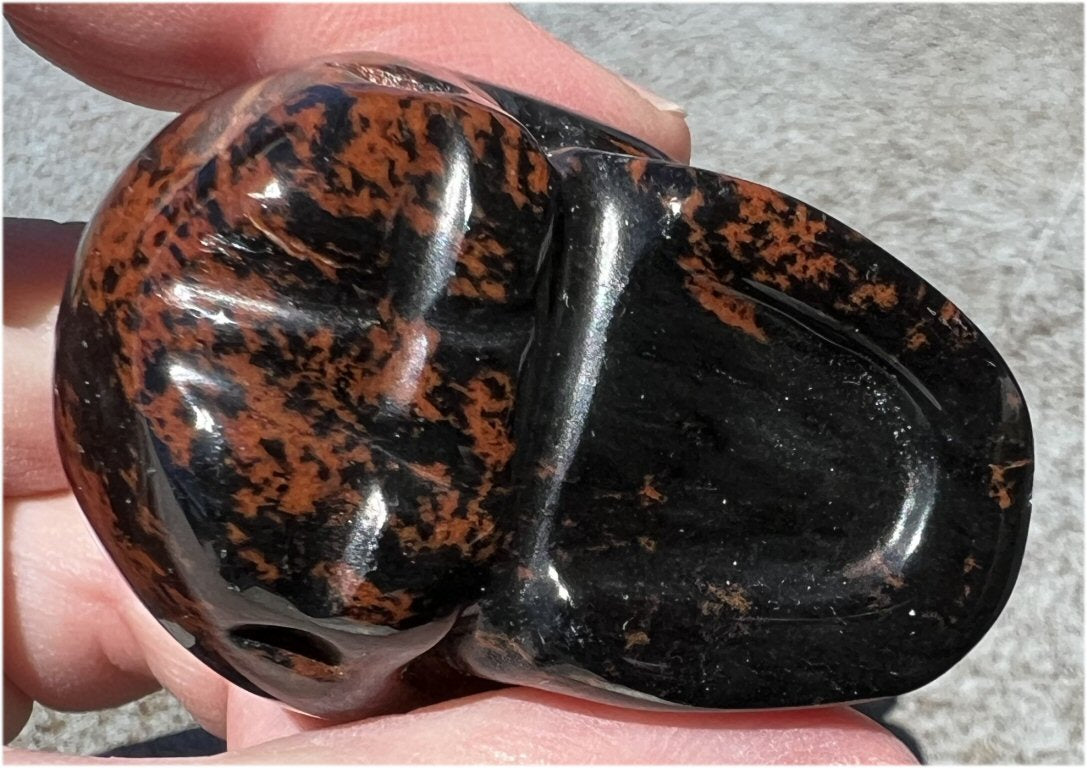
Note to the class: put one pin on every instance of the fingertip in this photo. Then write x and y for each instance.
(669, 125)
(38, 255)
(31, 458)
(171, 56)
(37, 258)
(668, 132)
(165, 56)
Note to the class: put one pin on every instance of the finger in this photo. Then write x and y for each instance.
(518, 726)
(521, 725)
(170, 56)
(37, 257)
(75, 636)
(252, 720)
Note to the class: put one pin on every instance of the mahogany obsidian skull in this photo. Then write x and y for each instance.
(362, 367)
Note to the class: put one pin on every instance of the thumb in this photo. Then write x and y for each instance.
(170, 56)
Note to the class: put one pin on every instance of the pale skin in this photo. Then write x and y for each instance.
(76, 638)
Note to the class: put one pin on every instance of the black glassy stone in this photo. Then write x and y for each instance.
(765, 462)
(369, 378)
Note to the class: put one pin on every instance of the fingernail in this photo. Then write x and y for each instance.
(661, 103)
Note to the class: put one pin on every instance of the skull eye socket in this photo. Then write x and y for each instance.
(274, 641)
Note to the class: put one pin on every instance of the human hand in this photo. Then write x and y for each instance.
(75, 635)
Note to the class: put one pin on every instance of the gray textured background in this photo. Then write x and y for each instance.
(950, 135)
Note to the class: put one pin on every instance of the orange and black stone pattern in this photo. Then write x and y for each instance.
(372, 379)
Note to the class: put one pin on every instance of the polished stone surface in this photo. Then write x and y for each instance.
(980, 136)
(382, 360)
(752, 431)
